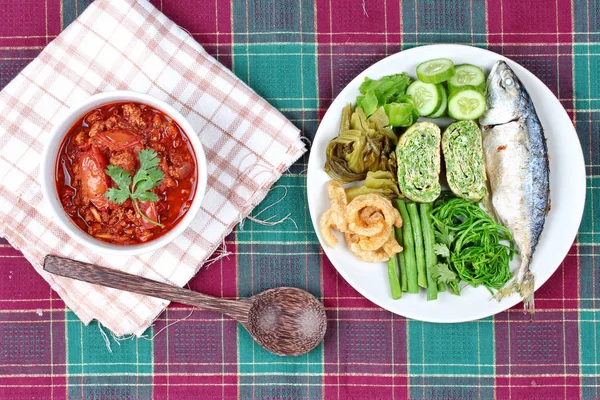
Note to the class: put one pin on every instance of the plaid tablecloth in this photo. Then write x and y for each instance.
(299, 55)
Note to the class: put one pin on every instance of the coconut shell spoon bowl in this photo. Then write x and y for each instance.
(285, 321)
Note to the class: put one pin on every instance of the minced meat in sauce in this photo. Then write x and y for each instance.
(115, 134)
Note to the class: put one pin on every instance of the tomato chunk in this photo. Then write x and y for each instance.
(117, 140)
(94, 181)
(150, 211)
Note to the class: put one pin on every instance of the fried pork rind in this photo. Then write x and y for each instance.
(367, 223)
(335, 217)
(374, 242)
(372, 256)
(391, 246)
(376, 204)
(332, 219)
(337, 195)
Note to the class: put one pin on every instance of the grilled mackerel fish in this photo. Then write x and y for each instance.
(516, 160)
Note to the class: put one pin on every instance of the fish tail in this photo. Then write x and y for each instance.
(507, 290)
(526, 289)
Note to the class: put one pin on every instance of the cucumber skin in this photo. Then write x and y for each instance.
(441, 111)
(452, 85)
(446, 74)
(453, 95)
(438, 91)
(457, 89)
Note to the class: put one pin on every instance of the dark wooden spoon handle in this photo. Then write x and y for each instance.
(237, 309)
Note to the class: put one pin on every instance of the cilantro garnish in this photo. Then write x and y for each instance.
(443, 235)
(138, 188)
(441, 250)
(442, 273)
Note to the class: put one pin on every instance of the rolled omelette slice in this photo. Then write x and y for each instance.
(463, 156)
(418, 159)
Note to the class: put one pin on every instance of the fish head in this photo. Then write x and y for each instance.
(503, 96)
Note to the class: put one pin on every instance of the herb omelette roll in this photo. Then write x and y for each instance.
(463, 155)
(418, 159)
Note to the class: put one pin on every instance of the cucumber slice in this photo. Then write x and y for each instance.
(435, 71)
(467, 75)
(443, 105)
(426, 96)
(466, 103)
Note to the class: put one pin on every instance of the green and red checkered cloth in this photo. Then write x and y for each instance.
(298, 55)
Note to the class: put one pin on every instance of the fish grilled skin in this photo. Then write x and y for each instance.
(516, 159)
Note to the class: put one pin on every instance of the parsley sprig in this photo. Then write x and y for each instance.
(138, 188)
(441, 271)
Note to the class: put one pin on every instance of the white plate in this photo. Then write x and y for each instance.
(567, 192)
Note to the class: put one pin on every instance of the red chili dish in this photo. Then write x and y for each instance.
(126, 173)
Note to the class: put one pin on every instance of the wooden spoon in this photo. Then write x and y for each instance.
(285, 321)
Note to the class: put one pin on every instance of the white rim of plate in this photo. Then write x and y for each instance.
(579, 180)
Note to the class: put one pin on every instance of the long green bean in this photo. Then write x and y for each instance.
(393, 278)
(409, 248)
(430, 256)
(441, 286)
(415, 222)
(401, 259)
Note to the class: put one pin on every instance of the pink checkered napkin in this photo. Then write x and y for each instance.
(131, 45)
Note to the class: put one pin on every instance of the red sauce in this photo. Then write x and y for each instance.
(115, 134)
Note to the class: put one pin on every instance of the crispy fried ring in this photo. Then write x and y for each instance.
(391, 246)
(397, 217)
(371, 215)
(373, 201)
(374, 242)
(337, 195)
(366, 223)
(368, 256)
(332, 219)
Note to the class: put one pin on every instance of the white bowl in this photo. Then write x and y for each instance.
(49, 164)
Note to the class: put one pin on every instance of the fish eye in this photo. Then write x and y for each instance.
(508, 82)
